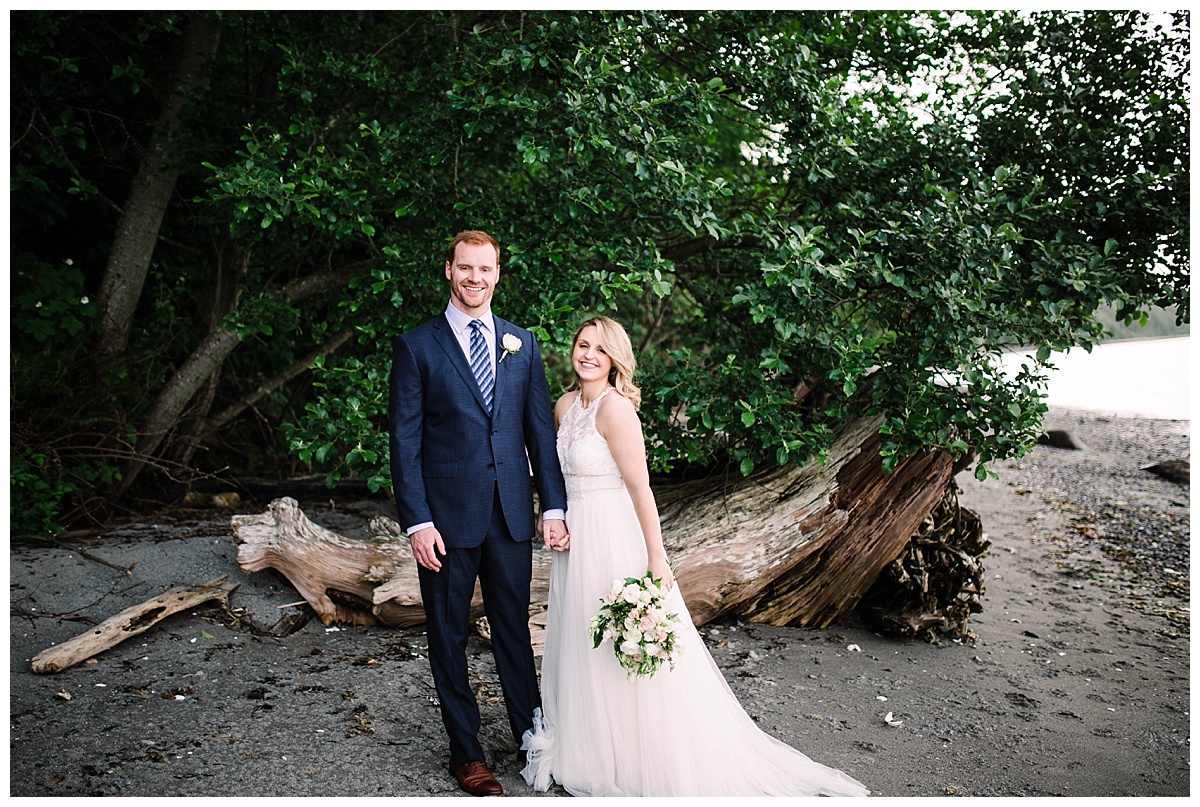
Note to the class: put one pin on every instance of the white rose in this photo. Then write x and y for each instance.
(511, 343)
(629, 648)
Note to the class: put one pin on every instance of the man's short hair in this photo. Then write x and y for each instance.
(478, 237)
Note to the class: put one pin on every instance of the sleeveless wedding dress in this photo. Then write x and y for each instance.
(681, 732)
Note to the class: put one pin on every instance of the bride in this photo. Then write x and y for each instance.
(680, 732)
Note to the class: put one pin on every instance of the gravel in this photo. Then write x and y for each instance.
(1115, 507)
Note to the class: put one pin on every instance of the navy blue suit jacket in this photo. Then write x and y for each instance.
(448, 454)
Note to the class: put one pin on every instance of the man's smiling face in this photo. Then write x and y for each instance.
(473, 275)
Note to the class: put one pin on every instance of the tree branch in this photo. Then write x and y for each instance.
(203, 362)
(297, 367)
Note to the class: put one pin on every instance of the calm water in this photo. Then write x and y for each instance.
(1147, 377)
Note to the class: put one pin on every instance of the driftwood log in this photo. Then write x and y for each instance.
(356, 582)
(337, 576)
(799, 546)
(789, 546)
(130, 622)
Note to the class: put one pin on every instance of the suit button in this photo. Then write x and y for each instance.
(495, 432)
(491, 466)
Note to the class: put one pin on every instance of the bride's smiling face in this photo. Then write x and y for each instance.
(589, 358)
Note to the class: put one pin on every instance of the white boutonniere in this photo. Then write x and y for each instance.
(511, 343)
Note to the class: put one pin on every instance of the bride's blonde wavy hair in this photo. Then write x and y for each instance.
(616, 344)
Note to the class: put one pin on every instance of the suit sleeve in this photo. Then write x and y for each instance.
(406, 415)
(543, 442)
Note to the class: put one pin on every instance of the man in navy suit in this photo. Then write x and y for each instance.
(470, 418)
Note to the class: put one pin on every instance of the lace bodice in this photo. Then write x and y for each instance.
(587, 463)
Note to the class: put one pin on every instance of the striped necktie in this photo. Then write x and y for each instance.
(481, 365)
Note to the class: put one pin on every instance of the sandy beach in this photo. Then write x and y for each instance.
(1076, 685)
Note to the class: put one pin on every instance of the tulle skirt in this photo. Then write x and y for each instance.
(681, 732)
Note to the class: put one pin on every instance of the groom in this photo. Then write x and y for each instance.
(470, 417)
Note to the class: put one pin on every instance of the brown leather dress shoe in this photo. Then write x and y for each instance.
(475, 778)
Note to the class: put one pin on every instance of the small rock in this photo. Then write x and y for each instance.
(1058, 438)
(1177, 471)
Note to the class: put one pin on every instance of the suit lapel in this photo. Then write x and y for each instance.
(502, 367)
(449, 343)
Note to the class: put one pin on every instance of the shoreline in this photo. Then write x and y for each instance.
(1137, 377)
(1078, 683)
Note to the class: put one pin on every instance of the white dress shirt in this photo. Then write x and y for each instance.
(460, 323)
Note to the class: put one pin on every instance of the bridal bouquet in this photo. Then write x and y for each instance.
(633, 616)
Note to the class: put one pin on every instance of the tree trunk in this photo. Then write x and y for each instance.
(882, 513)
(187, 438)
(799, 546)
(789, 546)
(190, 377)
(165, 411)
(220, 298)
(137, 229)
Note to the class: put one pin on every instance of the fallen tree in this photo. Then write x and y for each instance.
(799, 546)
(794, 546)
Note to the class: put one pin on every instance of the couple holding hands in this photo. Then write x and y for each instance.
(470, 419)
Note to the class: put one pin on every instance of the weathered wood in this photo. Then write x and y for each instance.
(130, 622)
(799, 546)
(788, 546)
(935, 585)
(356, 582)
(403, 590)
(337, 576)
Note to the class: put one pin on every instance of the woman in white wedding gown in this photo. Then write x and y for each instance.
(682, 731)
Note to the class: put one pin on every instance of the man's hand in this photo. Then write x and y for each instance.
(554, 534)
(426, 546)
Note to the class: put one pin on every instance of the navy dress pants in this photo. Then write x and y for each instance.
(504, 568)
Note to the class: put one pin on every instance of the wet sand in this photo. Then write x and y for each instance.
(1077, 684)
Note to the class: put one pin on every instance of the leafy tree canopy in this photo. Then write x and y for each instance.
(801, 217)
